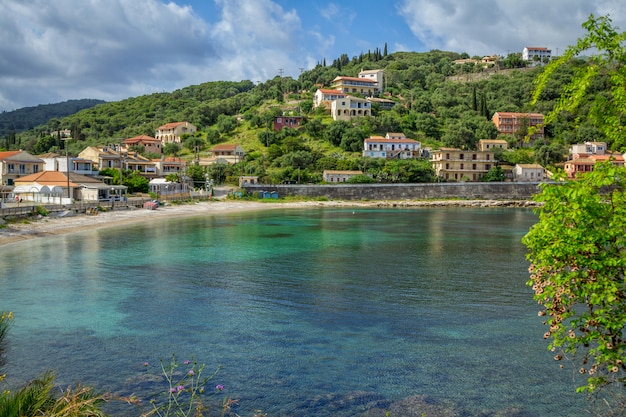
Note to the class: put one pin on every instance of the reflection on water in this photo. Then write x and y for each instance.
(309, 312)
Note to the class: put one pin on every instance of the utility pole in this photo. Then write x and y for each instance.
(67, 166)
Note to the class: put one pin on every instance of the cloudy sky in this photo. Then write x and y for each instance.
(52, 51)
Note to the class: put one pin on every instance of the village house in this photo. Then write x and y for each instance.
(170, 165)
(324, 97)
(52, 187)
(492, 144)
(529, 173)
(350, 107)
(111, 156)
(16, 164)
(582, 150)
(393, 145)
(148, 143)
(376, 75)
(228, 152)
(351, 85)
(56, 162)
(509, 123)
(451, 164)
(582, 165)
(171, 132)
(281, 122)
(333, 176)
(536, 53)
(382, 103)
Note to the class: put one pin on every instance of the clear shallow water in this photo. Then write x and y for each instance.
(309, 312)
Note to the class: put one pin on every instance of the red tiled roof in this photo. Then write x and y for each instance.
(385, 140)
(141, 138)
(8, 154)
(224, 147)
(170, 125)
(365, 80)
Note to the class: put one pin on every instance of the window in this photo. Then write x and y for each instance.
(474, 155)
(474, 167)
(10, 169)
(461, 156)
(461, 166)
(22, 168)
(447, 166)
(35, 169)
(447, 156)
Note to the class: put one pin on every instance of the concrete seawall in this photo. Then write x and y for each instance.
(467, 190)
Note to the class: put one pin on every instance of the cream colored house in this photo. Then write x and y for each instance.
(334, 176)
(150, 144)
(351, 85)
(16, 164)
(52, 187)
(528, 173)
(492, 144)
(324, 97)
(451, 164)
(171, 132)
(350, 107)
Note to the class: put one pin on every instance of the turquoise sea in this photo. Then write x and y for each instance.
(309, 312)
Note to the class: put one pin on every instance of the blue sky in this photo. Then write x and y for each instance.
(52, 51)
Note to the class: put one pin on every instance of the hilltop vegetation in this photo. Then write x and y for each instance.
(29, 117)
(440, 103)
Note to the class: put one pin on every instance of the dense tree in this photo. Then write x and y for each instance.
(576, 250)
(606, 111)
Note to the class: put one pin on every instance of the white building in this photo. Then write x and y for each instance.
(376, 75)
(528, 173)
(389, 147)
(530, 52)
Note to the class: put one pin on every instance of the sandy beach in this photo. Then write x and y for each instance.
(41, 226)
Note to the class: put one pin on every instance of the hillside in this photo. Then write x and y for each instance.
(439, 103)
(29, 117)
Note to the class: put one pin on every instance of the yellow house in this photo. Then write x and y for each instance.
(451, 164)
(350, 85)
(350, 107)
(16, 164)
(171, 132)
(491, 144)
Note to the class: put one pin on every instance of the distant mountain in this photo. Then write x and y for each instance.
(28, 117)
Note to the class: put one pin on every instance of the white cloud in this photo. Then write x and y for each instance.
(483, 27)
(54, 51)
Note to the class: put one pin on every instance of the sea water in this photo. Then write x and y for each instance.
(307, 312)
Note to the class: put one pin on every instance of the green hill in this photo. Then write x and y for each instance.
(29, 117)
(438, 103)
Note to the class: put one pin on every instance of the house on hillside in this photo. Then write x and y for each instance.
(170, 165)
(509, 123)
(333, 176)
(171, 132)
(324, 97)
(351, 85)
(536, 53)
(376, 75)
(111, 156)
(451, 164)
(528, 173)
(350, 107)
(148, 143)
(16, 164)
(228, 152)
(491, 144)
(582, 165)
(281, 122)
(581, 150)
(390, 147)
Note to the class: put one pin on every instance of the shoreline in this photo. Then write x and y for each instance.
(60, 225)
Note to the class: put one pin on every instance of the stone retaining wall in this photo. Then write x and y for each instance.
(466, 190)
